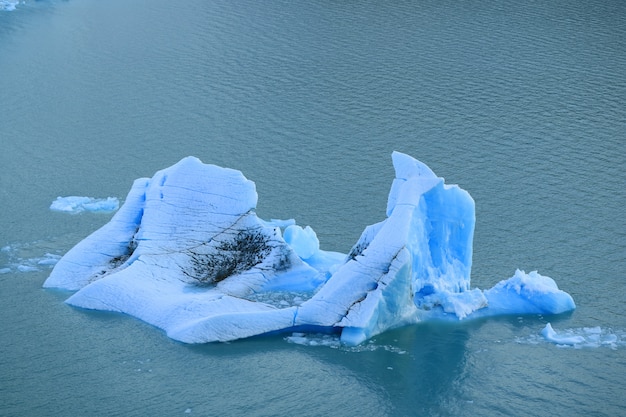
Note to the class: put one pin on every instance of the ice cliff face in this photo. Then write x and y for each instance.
(417, 259)
(187, 253)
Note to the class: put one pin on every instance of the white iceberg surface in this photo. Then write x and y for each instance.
(187, 253)
(78, 204)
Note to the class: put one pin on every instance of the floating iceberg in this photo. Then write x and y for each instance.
(187, 253)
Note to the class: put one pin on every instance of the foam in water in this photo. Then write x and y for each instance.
(187, 253)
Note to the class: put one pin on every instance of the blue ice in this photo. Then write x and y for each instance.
(187, 253)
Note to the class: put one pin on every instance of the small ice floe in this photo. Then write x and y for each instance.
(27, 268)
(16, 263)
(76, 204)
(48, 259)
(8, 5)
(585, 337)
(334, 341)
(311, 339)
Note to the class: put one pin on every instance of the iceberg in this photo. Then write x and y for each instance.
(187, 253)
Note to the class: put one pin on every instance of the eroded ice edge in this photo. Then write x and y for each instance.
(187, 253)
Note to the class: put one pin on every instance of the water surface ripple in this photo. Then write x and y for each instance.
(520, 103)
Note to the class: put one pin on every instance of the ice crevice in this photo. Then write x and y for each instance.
(202, 266)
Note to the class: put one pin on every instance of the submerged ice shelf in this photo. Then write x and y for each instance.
(187, 253)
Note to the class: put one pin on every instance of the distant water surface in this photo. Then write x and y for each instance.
(523, 104)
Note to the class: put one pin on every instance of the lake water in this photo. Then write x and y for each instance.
(522, 103)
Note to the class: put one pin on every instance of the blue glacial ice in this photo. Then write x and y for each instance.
(187, 253)
(12, 259)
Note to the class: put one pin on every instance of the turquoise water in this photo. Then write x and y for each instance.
(523, 104)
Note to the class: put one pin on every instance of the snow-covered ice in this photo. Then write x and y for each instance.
(78, 204)
(187, 253)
